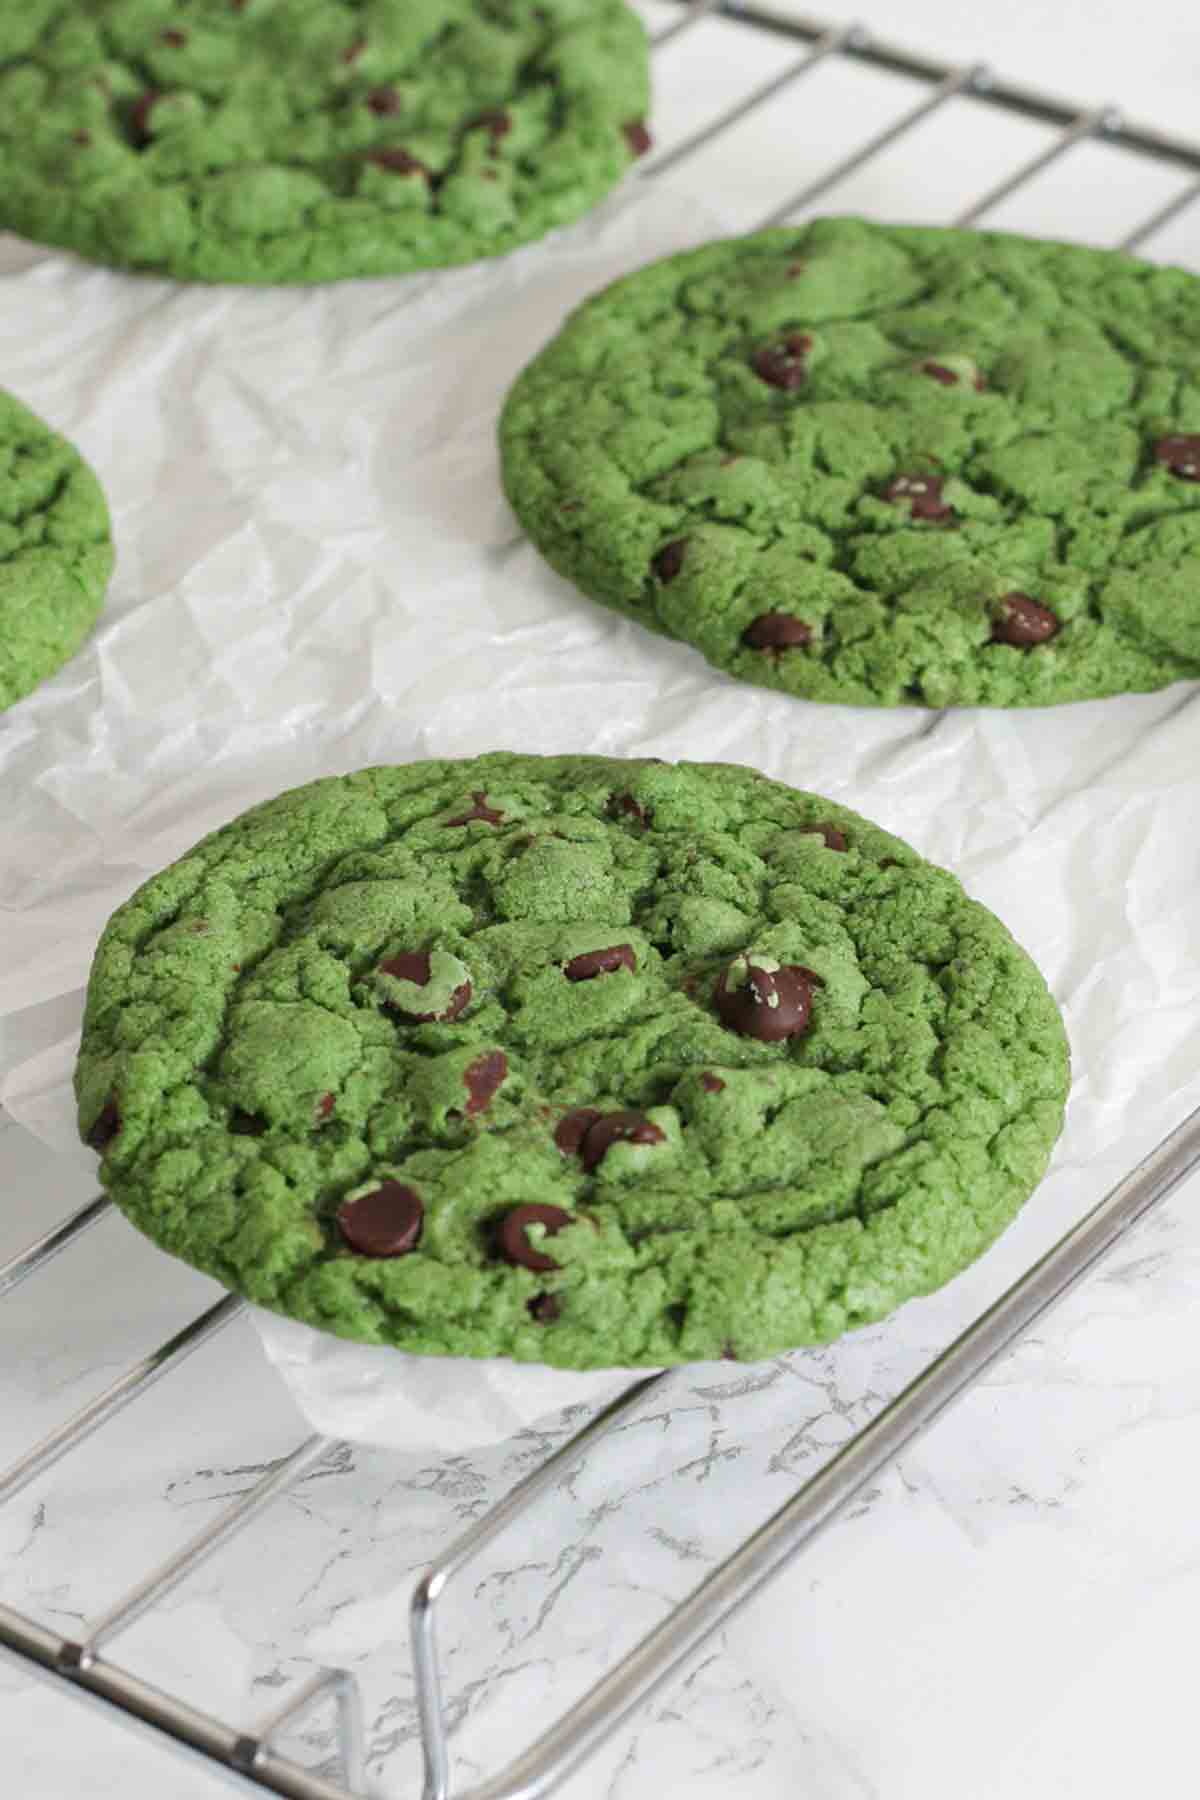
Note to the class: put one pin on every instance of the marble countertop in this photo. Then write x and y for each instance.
(1008, 1613)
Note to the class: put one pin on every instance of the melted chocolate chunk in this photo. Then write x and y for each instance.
(398, 161)
(1181, 454)
(1023, 622)
(384, 99)
(483, 1079)
(413, 965)
(385, 1222)
(637, 136)
(617, 1128)
(544, 1308)
(107, 1125)
(573, 1127)
(782, 365)
(479, 810)
(513, 1242)
(923, 495)
(139, 116)
(712, 1084)
(762, 1003)
(777, 631)
(669, 561)
(246, 1124)
(600, 962)
(834, 839)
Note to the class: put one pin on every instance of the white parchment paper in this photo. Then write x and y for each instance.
(317, 570)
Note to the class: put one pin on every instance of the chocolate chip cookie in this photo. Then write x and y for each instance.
(286, 141)
(570, 1060)
(55, 550)
(882, 465)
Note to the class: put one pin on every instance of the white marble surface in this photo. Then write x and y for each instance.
(1007, 1615)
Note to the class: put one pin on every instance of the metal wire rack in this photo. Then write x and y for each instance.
(250, 1756)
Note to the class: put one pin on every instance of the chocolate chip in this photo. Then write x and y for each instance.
(573, 1127)
(246, 1124)
(107, 1125)
(834, 839)
(600, 962)
(759, 998)
(923, 493)
(777, 631)
(398, 161)
(413, 965)
(1023, 621)
(941, 373)
(637, 136)
(782, 365)
(545, 1308)
(495, 120)
(625, 805)
(325, 1106)
(669, 561)
(479, 810)
(484, 1078)
(1181, 454)
(712, 1084)
(617, 1128)
(513, 1243)
(176, 39)
(385, 1222)
(139, 116)
(384, 99)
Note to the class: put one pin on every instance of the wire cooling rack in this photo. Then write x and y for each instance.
(249, 1756)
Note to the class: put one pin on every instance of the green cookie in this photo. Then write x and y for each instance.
(569, 1060)
(55, 550)
(880, 464)
(308, 140)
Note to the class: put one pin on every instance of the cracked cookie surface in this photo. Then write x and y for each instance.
(882, 465)
(572, 1060)
(55, 550)
(311, 140)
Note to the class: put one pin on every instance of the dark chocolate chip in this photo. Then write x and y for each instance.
(777, 631)
(479, 810)
(626, 804)
(618, 1128)
(544, 1308)
(325, 1106)
(923, 495)
(783, 365)
(834, 839)
(139, 116)
(384, 99)
(669, 561)
(413, 965)
(712, 1084)
(941, 373)
(385, 1222)
(1181, 454)
(484, 1078)
(246, 1124)
(398, 161)
(766, 1004)
(600, 962)
(514, 1244)
(637, 136)
(1022, 621)
(573, 1127)
(107, 1125)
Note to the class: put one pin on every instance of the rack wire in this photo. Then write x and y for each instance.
(249, 1756)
